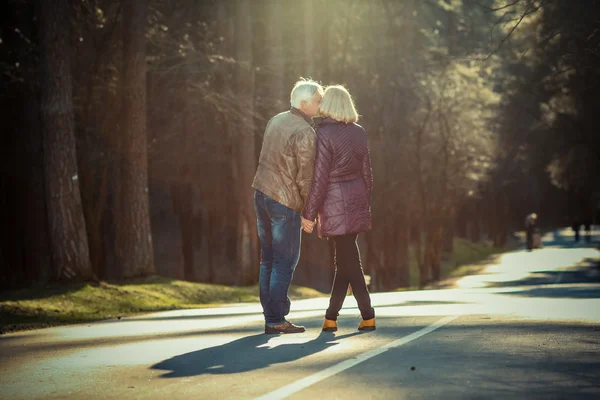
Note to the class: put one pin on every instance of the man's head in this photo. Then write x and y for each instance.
(306, 97)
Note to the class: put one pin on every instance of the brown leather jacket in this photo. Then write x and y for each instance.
(285, 167)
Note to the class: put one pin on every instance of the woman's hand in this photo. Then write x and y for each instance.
(307, 226)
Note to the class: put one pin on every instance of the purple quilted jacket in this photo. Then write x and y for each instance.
(341, 189)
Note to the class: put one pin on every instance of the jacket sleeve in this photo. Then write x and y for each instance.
(318, 189)
(305, 159)
(367, 174)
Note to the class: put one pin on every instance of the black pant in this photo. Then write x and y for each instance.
(530, 232)
(348, 271)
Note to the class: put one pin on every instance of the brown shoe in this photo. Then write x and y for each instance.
(367, 325)
(286, 327)
(329, 325)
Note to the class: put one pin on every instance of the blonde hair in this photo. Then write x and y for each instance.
(338, 104)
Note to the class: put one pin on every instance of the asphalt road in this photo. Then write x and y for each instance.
(527, 327)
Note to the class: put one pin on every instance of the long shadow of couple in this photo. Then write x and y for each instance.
(245, 354)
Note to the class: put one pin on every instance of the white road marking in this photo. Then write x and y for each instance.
(310, 380)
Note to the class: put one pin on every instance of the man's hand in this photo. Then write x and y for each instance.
(307, 226)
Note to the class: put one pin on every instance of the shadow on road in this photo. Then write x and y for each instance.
(563, 281)
(559, 292)
(524, 360)
(245, 354)
(320, 307)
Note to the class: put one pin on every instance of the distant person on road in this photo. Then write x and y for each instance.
(530, 229)
(282, 183)
(588, 230)
(576, 227)
(340, 200)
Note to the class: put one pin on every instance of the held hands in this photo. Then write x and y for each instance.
(307, 226)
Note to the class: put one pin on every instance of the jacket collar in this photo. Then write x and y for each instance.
(299, 113)
(329, 120)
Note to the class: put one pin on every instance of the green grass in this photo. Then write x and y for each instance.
(466, 259)
(63, 304)
(38, 307)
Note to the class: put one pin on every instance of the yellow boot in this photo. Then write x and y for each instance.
(367, 325)
(329, 325)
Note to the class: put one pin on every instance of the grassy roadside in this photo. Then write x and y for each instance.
(57, 305)
(468, 258)
(39, 307)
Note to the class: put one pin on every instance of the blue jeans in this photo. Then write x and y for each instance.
(279, 230)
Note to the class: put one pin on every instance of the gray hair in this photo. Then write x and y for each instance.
(303, 90)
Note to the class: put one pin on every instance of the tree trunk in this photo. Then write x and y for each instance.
(373, 260)
(182, 193)
(212, 254)
(244, 151)
(35, 222)
(402, 254)
(452, 42)
(390, 263)
(134, 237)
(309, 37)
(475, 231)
(274, 55)
(504, 214)
(12, 226)
(448, 246)
(422, 256)
(66, 224)
(224, 214)
(461, 221)
(6, 272)
(436, 249)
(183, 185)
(324, 56)
(408, 53)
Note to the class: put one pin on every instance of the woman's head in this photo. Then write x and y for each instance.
(338, 104)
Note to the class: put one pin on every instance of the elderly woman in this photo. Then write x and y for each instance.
(340, 196)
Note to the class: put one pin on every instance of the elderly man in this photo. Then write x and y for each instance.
(282, 183)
